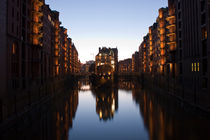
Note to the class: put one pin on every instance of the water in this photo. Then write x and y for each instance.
(126, 112)
(118, 118)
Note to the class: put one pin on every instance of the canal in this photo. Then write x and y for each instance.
(125, 112)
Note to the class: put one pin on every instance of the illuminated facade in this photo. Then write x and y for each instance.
(108, 57)
(175, 53)
(153, 51)
(47, 55)
(144, 55)
(37, 13)
(69, 55)
(172, 37)
(56, 45)
(135, 62)
(62, 47)
(125, 66)
(75, 61)
(163, 48)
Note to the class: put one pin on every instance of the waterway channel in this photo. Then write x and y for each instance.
(125, 112)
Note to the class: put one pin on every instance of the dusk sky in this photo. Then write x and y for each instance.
(110, 23)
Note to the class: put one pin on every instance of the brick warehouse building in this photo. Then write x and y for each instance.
(135, 62)
(34, 51)
(193, 52)
(125, 66)
(178, 43)
(107, 56)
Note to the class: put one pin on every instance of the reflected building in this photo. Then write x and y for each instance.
(52, 120)
(84, 84)
(65, 110)
(162, 123)
(106, 103)
(125, 84)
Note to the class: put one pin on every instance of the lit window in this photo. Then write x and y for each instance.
(195, 66)
(198, 67)
(112, 62)
(13, 48)
(192, 67)
(49, 18)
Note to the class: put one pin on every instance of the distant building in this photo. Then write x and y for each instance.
(75, 61)
(107, 57)
(125, 66)
(86, 66)
(135, 62)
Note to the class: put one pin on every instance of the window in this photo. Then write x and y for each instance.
(14, 48)
(209, 10)
(202, 5)
(195, 67)
(180, 43)
(204, 66)
(24, 9)
(203, 19)
(204, 33)
(192, 67)
(204, 83)
(180, 54)
(17, 16)
(204, 48)
(179, 5)
(17, 3)
(12, 27)
(17, 30)
(13, 12)
(180, 70)
(180, 24)
(179, 15)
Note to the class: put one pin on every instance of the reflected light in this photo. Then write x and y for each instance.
(113, 106)
(100, 114)
(85, 87)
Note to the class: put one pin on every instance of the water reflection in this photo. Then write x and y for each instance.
(84, 84)
(125, 84)
(166, 118)
(124, 112)
(52, 119)
(106, 102)
(65, 110)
